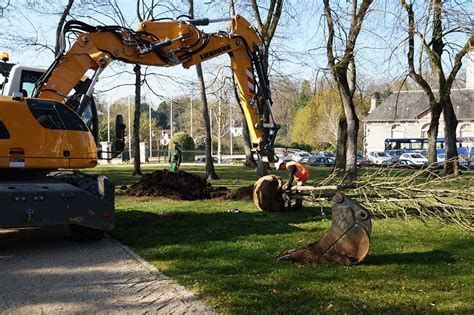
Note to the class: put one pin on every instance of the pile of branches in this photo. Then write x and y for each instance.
(394, 192)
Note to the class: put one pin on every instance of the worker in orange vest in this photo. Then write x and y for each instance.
(296, 171)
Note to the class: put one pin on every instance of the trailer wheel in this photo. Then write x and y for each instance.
(85, 234)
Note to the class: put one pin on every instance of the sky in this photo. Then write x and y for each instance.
(299, 42)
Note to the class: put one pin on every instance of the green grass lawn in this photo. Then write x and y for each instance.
(228, 259)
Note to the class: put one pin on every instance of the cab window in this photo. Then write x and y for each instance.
(28, 80)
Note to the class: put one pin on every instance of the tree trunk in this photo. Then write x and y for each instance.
(340, 166)
(136, 122)
(350, 172)
(249, 160)
(210, 170)
(436, 110)
(451, 165)
(262, 168)
(352, 123)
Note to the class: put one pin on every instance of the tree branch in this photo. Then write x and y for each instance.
(411, 52)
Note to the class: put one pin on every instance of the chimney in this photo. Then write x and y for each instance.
(470, 70)
(373, 104)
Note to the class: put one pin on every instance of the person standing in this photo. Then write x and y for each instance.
(175, 158)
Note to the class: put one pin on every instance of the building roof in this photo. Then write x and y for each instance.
(411, 105)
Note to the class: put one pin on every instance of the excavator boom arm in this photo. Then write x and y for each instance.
(169, 43)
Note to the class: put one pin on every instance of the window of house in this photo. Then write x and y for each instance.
(466, 130)
(397, 131)
(424, 130)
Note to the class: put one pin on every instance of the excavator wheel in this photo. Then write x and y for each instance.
(347, 241)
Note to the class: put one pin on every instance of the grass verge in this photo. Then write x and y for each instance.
(228, 259)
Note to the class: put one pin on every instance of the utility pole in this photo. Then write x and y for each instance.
(108, 122)
(149, 129)
(171, 119)
(129, 130)
(219, 134)
(191, 114)
(231, 125)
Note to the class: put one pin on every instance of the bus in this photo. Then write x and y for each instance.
(465, 145)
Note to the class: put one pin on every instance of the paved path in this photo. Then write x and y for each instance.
(46, 273)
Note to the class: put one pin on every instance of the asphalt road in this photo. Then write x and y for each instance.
(45, 272)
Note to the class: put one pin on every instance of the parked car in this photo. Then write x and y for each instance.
(327, 154)
(422, 152)
(416, 158)
(362, 161)
(320, 161)
(381, 158)
(395, 154)
(406, 164)
(297, 156)
(463, 164)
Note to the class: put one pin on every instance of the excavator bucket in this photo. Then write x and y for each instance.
(346, 243)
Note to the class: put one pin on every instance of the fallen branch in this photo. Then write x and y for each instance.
(389, 192)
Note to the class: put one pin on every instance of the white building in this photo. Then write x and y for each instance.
(406, 114)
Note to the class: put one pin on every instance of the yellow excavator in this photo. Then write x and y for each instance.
(54, 127)
(50, 132)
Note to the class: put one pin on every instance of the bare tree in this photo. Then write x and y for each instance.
(136, 122)
(341, 62)
(435, 47)
(210, 170)
(137, 113)
(268, 27)
(3, 6)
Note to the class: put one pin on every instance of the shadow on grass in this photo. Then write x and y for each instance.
(199, 227)
(231, 259)
(430, 258)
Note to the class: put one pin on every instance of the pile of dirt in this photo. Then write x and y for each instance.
(179, 185)
(242, 193)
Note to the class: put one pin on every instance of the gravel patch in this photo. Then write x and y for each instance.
(46, 273)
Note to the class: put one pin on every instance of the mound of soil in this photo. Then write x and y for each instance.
(242, 193)
(180, 185)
